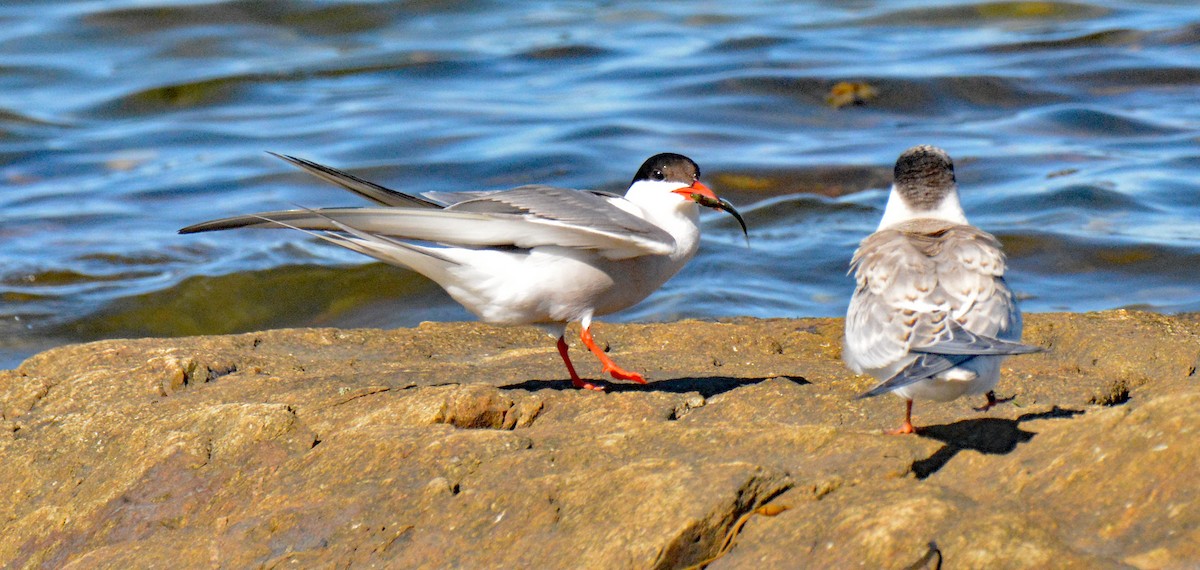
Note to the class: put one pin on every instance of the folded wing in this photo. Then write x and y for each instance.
(524, 217)
(929, 298)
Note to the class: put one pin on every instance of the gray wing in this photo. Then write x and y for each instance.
(524, 217)
(928, 299)
(951, 349)
(456, 197)
(597, 212)
(485, 224)
(922, 367)
(954, 339)
(366, 189)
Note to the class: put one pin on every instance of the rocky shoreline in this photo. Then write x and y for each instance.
(462, 445)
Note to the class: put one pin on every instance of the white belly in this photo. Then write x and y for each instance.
(553, 284)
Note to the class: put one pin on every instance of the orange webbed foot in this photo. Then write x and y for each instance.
(610, 367)
(904, 429)
(622, 374)
(575, 379)
(585, 385)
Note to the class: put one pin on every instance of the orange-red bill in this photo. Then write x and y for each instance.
(703, 195)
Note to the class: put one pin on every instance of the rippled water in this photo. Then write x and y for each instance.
(1075, 126)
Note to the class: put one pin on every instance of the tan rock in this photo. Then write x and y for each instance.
(463, 445)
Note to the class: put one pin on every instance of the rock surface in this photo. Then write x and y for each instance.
(461, 445)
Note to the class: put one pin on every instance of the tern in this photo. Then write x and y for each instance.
(931, 315)
(534, 254)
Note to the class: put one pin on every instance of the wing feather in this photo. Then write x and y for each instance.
(524, 217)
(572, 207)
(928, 289)
(454, 227)
(923, 366)
(369, 190)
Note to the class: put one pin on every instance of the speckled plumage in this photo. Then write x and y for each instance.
(931, 315)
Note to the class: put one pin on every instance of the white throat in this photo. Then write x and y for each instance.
(898, 211)
(673, 213)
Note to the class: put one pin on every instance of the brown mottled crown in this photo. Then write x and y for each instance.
(924, 175)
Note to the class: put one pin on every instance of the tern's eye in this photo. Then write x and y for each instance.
(658, 175)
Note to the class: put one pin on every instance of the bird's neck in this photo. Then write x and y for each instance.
(898, 211)
(671, 212)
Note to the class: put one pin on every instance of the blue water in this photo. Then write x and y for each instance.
(1075, 127)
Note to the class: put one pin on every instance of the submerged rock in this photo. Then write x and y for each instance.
(462, 445)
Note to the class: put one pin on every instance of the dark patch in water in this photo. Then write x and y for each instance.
(1086, 123)
(565, 52)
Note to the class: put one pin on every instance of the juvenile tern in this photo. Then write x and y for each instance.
(931, 315)
(530, 255)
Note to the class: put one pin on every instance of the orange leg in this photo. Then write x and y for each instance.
(992, 401)
(906, 427)
(575, 379)
(610, 367)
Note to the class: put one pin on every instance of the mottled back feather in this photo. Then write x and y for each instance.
(915, 276)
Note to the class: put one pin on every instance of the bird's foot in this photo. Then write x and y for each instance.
(585, 385)
(610, 367)
(904, 429)
(621, 374)
(575, 379)
(992, 401)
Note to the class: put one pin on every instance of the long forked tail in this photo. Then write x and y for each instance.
(424, 260)
(955, 347)
(366, 189)
(403, 223)
(958, 340)
(923, 367)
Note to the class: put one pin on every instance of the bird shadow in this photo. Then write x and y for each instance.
(992, 436)
(707, 387)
